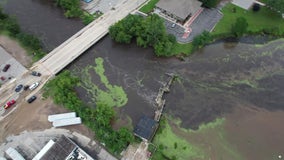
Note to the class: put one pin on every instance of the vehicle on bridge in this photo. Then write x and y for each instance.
(30, 100)
(26, 87)
(33, 86)
(9, 104)
(34, 73)
(19, 88)
(7, 66)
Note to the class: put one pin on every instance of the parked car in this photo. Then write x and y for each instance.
(9, 104)
(33, 86)
(26, 87)
(34, 73)
(19, 88)
(7, 66)
(31, 99)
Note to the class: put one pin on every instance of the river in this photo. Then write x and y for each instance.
(211, 83)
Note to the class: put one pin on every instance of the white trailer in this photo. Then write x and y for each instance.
(15, 155)
(55, 117)
(44, 150)
(67, 122)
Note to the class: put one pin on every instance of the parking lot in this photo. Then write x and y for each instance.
(15, 70)
(15, 75)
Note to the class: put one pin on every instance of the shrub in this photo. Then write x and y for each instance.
(201, 40)
(239, 27)
(210, 3)
(256, 7)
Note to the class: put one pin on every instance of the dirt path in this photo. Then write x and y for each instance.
(15, 50)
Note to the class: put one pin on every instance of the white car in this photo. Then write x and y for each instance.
(33, 86)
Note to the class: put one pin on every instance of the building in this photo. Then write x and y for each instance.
(62, 149)
(146, 128)
(14, 154)
(180, 10)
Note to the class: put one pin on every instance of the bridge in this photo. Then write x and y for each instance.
(72, 48)
(68, 51)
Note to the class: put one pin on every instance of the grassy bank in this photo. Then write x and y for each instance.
(10, 27)
(265, 21)
(149, 6)
(72, 9)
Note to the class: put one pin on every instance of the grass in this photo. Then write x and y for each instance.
(257, 21)
(183, 48)
(149, 6)
(28, 49)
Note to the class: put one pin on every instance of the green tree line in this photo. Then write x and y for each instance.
(31, 43)
(148, 32)
(73, 9)
(238, 29)
(98, 119)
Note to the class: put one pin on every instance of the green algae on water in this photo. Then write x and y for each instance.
(174, 147)
(102, 91)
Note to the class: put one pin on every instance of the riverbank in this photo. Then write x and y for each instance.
(238, 136)
(262, 22)
(15, 50)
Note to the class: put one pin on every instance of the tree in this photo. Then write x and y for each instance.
(61, 88)
(29, 40)
(201, 40)
(2, 15)
(239, 27)
(71, 7)
(256, 7)
(103, 115)
(148, 31)
(278, 5)
(12, 26)
(210, 3)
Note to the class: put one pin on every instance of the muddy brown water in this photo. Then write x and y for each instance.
(211, 82)
(43, 19)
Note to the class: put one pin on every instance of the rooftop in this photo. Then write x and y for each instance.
(145, 128)
(60, 150)
(180, 8)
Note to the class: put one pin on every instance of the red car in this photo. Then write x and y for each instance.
(9, 104)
